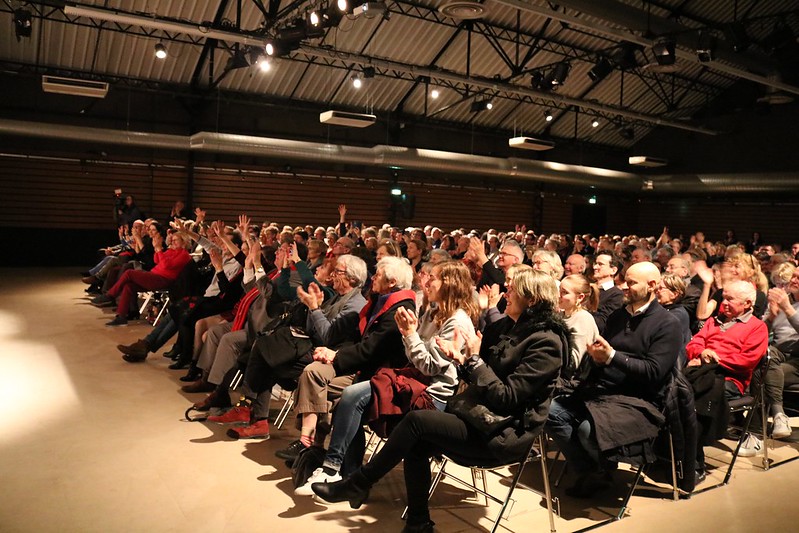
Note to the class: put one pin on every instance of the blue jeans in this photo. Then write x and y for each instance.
(99, 266)
(570, 426)
(161, 333)
(348, 439)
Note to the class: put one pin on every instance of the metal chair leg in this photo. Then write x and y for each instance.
(545, 476)
(161, 312)
(286, 409)
(675, 490)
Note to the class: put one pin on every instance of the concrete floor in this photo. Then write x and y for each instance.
(91, 443)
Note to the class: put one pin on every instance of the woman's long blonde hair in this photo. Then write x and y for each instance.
(457, 292)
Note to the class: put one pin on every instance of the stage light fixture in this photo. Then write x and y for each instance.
(548, 116)
(342, 5)
(664, 50)
(559, 74)
(368, 72)
(264, 63)
(357, 82)
(481, 105)
(434, 94)
(160, 51)
(600, 70)
(313, 18)
(705, 48)
(595, 123)
(269, 49)
(23, 23)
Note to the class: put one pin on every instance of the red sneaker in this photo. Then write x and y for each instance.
(236, 415)
(256, 430)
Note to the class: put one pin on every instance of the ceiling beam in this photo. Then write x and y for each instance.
(362, 60)
(626, 15)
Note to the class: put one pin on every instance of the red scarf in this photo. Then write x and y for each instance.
(395, 297)
(243, 307)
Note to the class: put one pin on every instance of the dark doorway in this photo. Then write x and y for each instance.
(588, 218)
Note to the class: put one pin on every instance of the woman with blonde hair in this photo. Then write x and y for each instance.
(578, 299)
(512, 372)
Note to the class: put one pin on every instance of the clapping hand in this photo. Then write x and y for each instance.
(406, 320)
(488, 296)
(294, 256)
(600, 351)
(216, 259)
(312, 298)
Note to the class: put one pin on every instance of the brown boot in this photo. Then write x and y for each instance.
(138, 349)
(90, 280)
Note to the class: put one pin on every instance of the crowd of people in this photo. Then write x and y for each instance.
(465, 343)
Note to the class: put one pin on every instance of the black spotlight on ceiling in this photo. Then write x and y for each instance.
(559, 74)
(664, 50)
(706, 47)
(368, 72)
(626, 132)
(624, 56)
(160, 51)
(600, 70)
(23, 23)
(239, 59)
(481, 105)
(537, 80)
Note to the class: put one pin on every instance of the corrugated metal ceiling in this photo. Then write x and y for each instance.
(416, 36)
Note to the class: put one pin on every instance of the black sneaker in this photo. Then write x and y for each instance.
(102, 301)
(118, 321)
(290, 452)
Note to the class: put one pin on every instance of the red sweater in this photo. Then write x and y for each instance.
(740, 348)
(170, 263)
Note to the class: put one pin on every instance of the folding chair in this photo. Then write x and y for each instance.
(746, 405)
(541, 441)
(285, 386)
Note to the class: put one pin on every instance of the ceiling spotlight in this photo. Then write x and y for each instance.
(548, 116)
(269, 49)
(481, 105)
(559, 74)
(434, 94)
(664, 50)
(624, 56)
(592, 200)
(357, 82)
(595, 123)
(160, 51)
(23, 23)
(706, 46)
(342, 5)
(264, 64)
(313, 18)
(600, 70)
(537, 80)
(368, 72)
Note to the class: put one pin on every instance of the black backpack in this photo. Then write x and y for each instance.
(306, 462)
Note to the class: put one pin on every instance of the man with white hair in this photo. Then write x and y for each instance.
(380, 345)
(735, 340)
(510, 253)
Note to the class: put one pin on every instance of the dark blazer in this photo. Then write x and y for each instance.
(523, 360)
(381, 341)
(609, 301)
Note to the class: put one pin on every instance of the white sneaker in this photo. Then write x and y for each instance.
(318, 476)
(751, 446)
(782, 426)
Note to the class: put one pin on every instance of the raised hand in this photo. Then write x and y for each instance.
(199, 215)
(244, 225)
(294, 256)
(216, 259)
(342, 211)
(705, 272)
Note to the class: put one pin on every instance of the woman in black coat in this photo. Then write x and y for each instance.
(513, 377)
